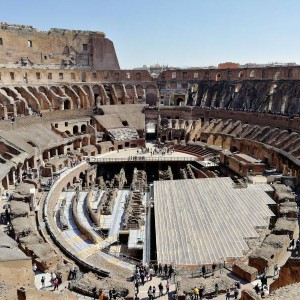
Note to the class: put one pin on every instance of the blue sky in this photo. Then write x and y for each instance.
(175, 32)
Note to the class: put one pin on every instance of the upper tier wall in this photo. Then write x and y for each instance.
(47, 74)
(26, 45)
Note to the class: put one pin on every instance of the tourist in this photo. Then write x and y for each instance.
(167, 287)
(74, 273)
(227, 294)
(150, 294)
(165, 270)
(236, 293)
(55, 282)
(43, 282)
(257, 289)
(136, 284)
(153, 291)
(160, 269)
(171, 270)
(216, 290)
(142, 278)
(160, 288)
(94, 291)
(196, 293)
(213, 269)
(155, 268)
(114, 293)
(203, 271)
(34, 268)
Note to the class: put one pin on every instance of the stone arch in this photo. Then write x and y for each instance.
(179, 101)
(240, 75)
(277, 75)
(130, 92)
(72, 95)
(56, 90)
(75, 129)
(227, 143)
(41, 97)
(67, 104)
(215, 101)
(119, 93)
(219, 141)
(83, 128)
(52, 99)
(140, 91)
(264, 74)
(85, 141)
(206, 75)
(210, 140)
(83, 179)
(151, 95)
(218, 77)
(252, 74)
(32, 101)
(90, 96)
(97, 95)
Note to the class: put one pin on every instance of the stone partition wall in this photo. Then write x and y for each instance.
(244, 271)
(249, 295)
(289, 274)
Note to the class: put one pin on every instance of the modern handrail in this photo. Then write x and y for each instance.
(137, 159)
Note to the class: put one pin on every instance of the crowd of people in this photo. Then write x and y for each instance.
(144, 273)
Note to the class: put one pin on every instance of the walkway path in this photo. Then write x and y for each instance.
(143, 290)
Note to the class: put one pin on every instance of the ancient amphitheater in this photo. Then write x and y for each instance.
(107, 173)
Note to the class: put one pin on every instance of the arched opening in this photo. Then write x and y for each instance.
(179, 102)
(240, 74)
(252, 74)
(82, 177)
(277, 75)
(67, 104)
(218, 77)
(75, 129)
(85, 141)
(151, 99)
(83, 128)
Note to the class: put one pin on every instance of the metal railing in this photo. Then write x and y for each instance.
(138, 159)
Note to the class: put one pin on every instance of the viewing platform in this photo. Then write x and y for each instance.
(135, 155)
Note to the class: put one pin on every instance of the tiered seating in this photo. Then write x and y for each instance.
(195, 150)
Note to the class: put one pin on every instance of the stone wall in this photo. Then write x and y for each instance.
(289, 273)
(16, 273)
(62, 47)
(244, 271)
(249, 295)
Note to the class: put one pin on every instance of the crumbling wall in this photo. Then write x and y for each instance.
(289, 273)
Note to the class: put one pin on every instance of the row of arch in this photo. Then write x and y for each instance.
(25, 100)
(278, 97)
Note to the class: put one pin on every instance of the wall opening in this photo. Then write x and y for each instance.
(67, 104)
